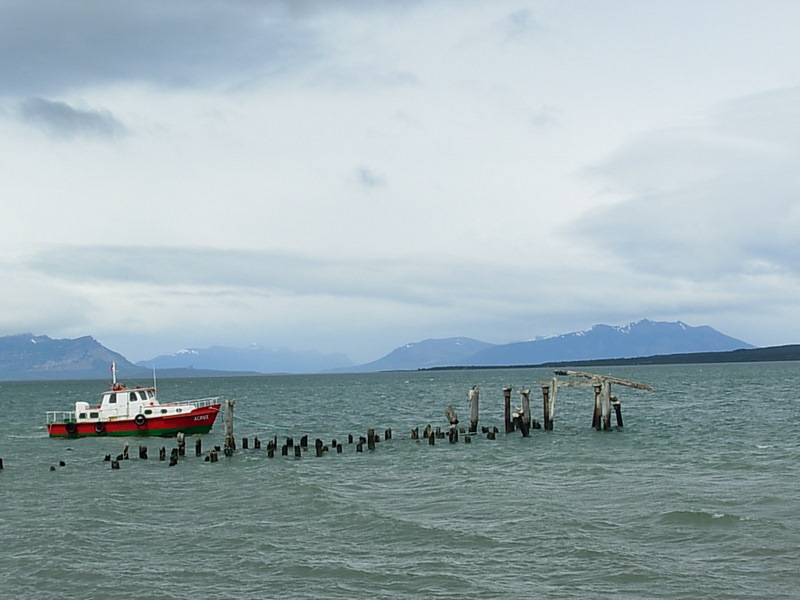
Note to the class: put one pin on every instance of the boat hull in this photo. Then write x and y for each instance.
(199, 420)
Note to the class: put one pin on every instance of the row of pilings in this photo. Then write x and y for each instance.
(514, 419)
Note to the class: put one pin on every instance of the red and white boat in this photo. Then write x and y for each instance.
(133, 411)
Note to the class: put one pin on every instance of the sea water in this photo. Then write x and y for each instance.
(696, 497)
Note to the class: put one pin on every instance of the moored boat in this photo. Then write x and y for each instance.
(133, 411)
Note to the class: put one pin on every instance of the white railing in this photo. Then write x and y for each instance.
(60, 416)
(199, 403)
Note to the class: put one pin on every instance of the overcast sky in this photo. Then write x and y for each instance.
(349, 176)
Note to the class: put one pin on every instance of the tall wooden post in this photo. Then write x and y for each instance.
(546, 406)
(509, 424)
(474, 396)
(230, 442)
(525, 417)
(605, 405)
(596, 420)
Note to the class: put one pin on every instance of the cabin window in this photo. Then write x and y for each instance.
(178, 410)
(150, 394)
(148, 411)
(142, 396)
(112, 398)
(93, 415)
(133, 396)
(163, 411)
(82, 416)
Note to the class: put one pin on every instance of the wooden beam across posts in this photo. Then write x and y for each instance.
(633, 384)
(604, 401)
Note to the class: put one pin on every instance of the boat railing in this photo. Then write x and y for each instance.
(199, 403)
(60, 416)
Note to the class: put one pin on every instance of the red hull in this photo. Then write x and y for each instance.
(199, 420)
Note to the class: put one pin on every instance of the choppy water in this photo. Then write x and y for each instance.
(696, 498)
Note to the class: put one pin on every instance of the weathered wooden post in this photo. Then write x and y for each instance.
(507, 409)
(474, 399)
(245, 443)
(143, 452)
(198, 447)
(230, 442)
(523, 419)
(617, 409)
(605, 405)
(298, 451)
(371, 439)
(125, 447)
(596, 416)
(415, 433)
(181, 440)
(548, 418)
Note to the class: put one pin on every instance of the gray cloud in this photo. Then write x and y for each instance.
(61, 120)
(47, 48)
(711, 202)
(369, 178)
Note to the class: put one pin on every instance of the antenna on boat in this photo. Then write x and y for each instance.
(155, 387)
(114, 374)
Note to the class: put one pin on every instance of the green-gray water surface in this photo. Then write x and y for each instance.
(696, 497)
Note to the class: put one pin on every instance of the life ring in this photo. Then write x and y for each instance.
(139, 419)
(99, 427)
(72, 428)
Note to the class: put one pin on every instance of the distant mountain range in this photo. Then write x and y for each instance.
(28, 356)
(253, 358)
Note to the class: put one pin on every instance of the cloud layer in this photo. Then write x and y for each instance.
(356, 175)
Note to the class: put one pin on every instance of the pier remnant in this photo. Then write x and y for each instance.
(603, 399)
(509, 423)
(230, 442)
(474, 398)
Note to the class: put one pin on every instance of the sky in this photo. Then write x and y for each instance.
(354, 175)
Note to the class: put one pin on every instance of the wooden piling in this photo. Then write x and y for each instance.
(509, 423)
(245, 443)
(525, 416)
(547, 417)
(230, 442)
(617, 409)
(198, 447)
(143, 452)
(181, 440)
(371, 439)
(597, 422)
(256, 443)
(125, 447)
(474, 398)
(162, 453)
(605, 405)
(115, 464)
(298, 452)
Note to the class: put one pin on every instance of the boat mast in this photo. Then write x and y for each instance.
(114, 374)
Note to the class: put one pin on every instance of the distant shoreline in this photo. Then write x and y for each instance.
(770, 354)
